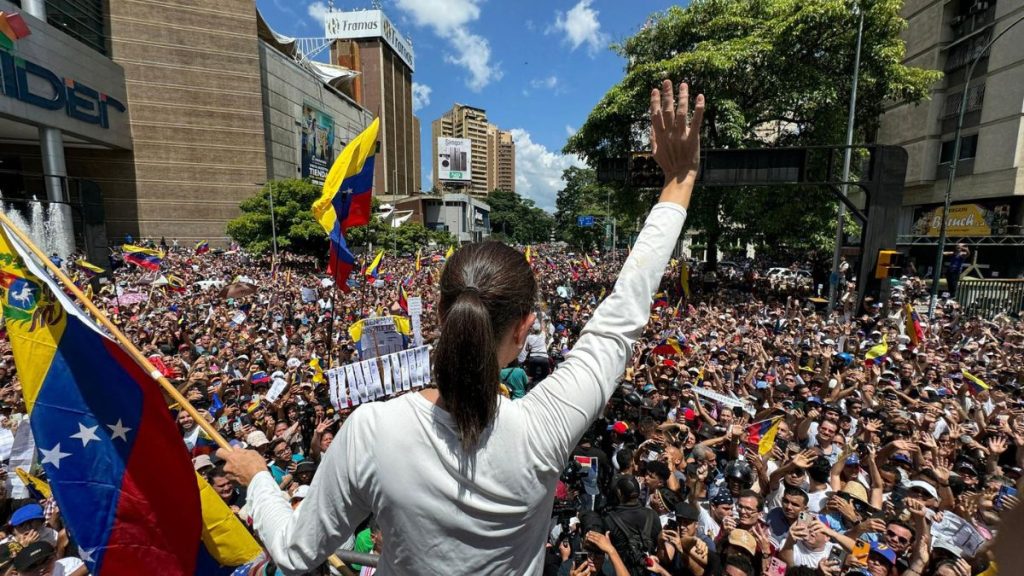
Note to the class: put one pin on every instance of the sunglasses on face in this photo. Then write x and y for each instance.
(896, 537)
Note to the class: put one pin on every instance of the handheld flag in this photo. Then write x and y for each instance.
(112, 454)
(373, 270)
(89, 269)
(403, 299)
(668, 347)
(345, 201)
(34, 484)
(174, 283)
(588, 262)
(762, 434)
(419, 259)
(142, 257)
(318, 371)
(975, 385)
(914, 330)
(451, 250)
(529, 257)
(202, 247)
(877, 353)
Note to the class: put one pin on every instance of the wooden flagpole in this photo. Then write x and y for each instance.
(123, 340)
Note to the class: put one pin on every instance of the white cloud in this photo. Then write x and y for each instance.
(551, 82)
(318, 11)
(580, 27)
(420, 96)
(450, 19)
(473, 53)
(570, 131)
(539, 170)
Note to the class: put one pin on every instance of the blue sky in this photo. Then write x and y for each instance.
(537, 67)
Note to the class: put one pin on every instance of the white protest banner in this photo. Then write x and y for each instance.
(332, 387)
(403, 358)
(362, 386)
(415, 305)
(386, 365)
(956, 530)
(350, 378)
(276, 389)
(308, 294)
(22, 450)
(723, 399)
(375, 377)
(396, 373)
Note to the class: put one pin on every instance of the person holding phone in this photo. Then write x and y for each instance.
(482, 494)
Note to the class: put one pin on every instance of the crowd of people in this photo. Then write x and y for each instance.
(749, 436)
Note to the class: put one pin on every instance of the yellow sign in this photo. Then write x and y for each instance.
(963, 220)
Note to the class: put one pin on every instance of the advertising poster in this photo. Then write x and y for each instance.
(454, 159)
(317, 144)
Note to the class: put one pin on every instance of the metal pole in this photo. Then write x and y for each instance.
(273, 220)
(833, 287)
(937, 272)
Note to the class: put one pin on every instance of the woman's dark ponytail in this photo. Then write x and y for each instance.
(485, 289)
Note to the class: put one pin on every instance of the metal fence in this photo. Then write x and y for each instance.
(986, 298)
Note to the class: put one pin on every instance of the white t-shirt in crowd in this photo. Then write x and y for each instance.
(441, 508)
(804, 556)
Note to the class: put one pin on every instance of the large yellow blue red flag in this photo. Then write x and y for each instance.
(373, 270)
(877, 353)
(975, 385)
(345, 200)
(762, 434)
(113, 456)
(147, 258)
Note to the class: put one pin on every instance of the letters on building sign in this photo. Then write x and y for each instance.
(52, 92)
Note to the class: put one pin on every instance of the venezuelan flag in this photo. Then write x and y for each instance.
(762, 435)
(913, 321)
(668, 347)
(684, 279)
(529, 256)
(318, 371)
(403, 299)
(174, 283)
(877, 353)
(144, 257)
(88, 268)
(12, 28)
(451, 250)
(345, 201)
(373, 270)
(975, 385)
(588, 262)
(111, 452)
(202, 247)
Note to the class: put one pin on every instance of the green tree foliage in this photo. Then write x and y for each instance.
(584, 196)
(298, 232)
(518, 219)
(762, 64)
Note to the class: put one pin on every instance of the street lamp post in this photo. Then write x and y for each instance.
(833, 284)
(273, 219)
(937, 272)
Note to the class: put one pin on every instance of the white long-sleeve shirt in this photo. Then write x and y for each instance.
(443, 511)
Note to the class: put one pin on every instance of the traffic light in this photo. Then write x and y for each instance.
(644, 172)
(888, 264)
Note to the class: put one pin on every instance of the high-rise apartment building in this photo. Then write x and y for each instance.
(372, 46)
(987, 211)
(501, 160)
(493, 154)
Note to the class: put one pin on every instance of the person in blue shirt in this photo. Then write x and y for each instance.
(284, 462)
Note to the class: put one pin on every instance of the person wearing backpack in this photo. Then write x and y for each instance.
(634, 528)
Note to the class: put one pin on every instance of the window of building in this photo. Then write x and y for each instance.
(975, 100)
(968, 149)
(83, 20)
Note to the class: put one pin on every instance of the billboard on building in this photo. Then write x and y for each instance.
(963, 220)
(317, 144)
(454, 159)
(369, 24)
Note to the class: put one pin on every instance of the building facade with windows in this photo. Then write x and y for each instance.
(988, 191)
(156, 119)
(493, 150)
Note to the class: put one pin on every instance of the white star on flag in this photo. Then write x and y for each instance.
(85, 554)
(54, 456)
(86, 434)
(119, 430)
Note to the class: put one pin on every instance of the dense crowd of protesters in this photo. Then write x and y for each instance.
(894, 467)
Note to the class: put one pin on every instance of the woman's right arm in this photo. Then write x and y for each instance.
(564, 405)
